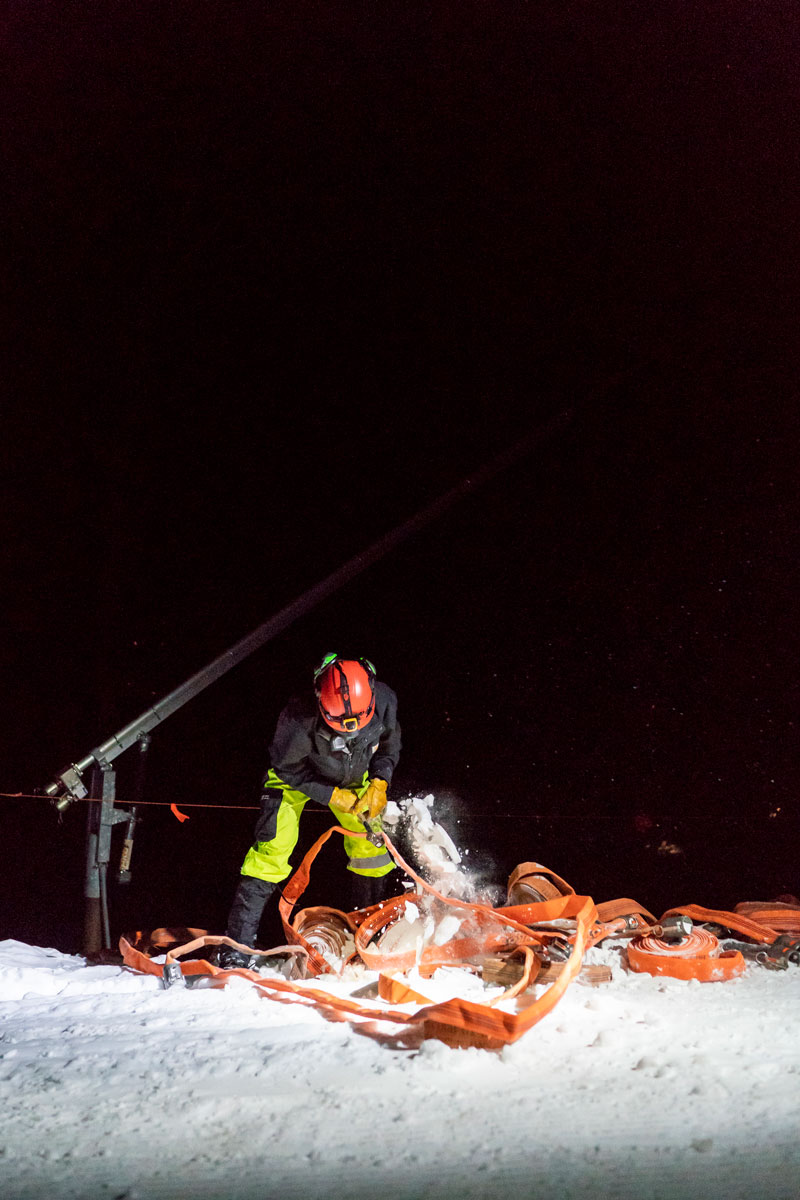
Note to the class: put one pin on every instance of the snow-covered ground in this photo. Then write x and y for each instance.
(111, 1086)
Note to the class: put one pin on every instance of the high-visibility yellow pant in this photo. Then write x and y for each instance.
(269, 860)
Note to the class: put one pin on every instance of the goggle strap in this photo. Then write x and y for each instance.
(327, 661)
(331, 658)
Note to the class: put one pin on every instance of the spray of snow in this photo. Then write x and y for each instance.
(425, 922)
(436, 855)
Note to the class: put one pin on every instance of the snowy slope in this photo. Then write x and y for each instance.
(111, 1086)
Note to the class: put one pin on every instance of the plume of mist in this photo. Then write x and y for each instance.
(426, 826)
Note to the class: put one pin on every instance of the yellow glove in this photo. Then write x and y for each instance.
(373, 802)
(343, 799)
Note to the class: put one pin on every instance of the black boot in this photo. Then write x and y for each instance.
(244, 919)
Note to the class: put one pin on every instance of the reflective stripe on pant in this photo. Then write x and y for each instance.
(269, 860)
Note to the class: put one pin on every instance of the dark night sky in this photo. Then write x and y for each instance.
(281, 274)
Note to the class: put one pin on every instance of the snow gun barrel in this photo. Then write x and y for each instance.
(68, 786)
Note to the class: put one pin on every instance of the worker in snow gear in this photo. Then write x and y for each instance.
(336, 747)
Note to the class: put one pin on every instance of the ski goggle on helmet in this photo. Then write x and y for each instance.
(345, 691)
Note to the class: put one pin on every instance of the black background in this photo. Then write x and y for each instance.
(282, 274)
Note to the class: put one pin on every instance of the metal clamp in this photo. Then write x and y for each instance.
(674, 929)
(557, 950)
(784, 950)
(775, 957)
(173, 975)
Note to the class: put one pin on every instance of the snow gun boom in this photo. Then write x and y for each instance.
(69, 786)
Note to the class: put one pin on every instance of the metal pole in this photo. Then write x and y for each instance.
(69, 781)
(108, 817)
(124, 873)
(92, 940)
(103, 816)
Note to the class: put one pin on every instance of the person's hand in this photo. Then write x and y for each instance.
(373, 802)
(343, 799)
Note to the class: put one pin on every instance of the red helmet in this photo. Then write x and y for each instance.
(345, 689)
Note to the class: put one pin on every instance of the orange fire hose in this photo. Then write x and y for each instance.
(695, 956)
(454, 1020)
(516, 928)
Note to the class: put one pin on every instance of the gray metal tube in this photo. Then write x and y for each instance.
(151, 717)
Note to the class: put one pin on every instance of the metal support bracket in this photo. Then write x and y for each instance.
(101, 819)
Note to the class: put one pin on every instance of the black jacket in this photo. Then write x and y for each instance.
(308, 755)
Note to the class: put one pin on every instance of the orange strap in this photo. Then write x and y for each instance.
(483, 930)
(495, 925)
(397, 991)
(785, 918)
(533, 873)
(485, 1024)
(755, 930)
(293, 890)
(612, 910)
